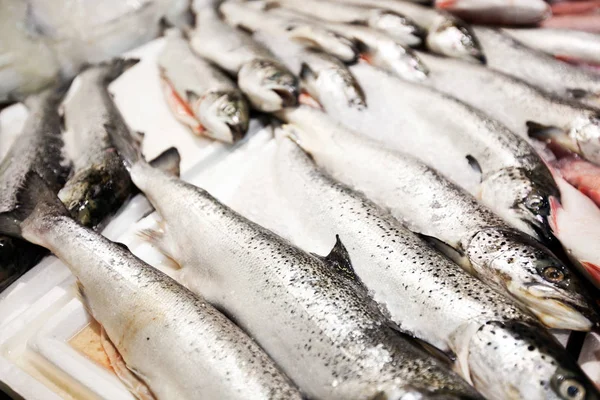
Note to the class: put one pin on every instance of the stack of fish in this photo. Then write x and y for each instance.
(455, 166)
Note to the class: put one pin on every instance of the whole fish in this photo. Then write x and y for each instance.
(431, 205)
(477, 152)
(395, 25)
(497, 12)
(523, 108)
(446, 34)
(377, 48)
(161, 340)
(426, 294)
(507, 55)
(564, 44)
(318, 71)
(268, 84)
(309, 314)
(250, 18)
(200, 95)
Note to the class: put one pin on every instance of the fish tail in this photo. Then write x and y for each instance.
(168, 161)
(35, 202)
(110, 70)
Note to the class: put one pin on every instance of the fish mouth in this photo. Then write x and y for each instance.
(554, 309)
(288, 95)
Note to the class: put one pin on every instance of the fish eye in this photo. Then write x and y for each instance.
(570, 389)
(553, 274)
(534, 202)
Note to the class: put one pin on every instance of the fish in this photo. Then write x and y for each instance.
(446, 34)
(318, 71)
(392, 23)
(583, 22)
(425, 293)
(525, 109)
(252, 19)
(433, 206)
(480, 154)
(575, 7)
(497, 12)
(378, 49)
(323, 330)
(564, 44)
(199, 94)
(162, 340)
(507, 55)
(582, 175)
(267, 84)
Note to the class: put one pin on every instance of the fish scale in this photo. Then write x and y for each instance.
(318, 326)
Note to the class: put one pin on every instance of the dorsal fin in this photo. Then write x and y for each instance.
(339, 258)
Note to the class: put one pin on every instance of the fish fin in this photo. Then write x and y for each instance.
(578, 93)
(473, 163)
(191, 96)
(539, 131)
(129, 150)
(452, 253)
(33, 197)
(158, 238)
(306, 72)
(339, 259)
(306, 99)
(180, 108)
(130, 379)
(110, 70)
(168, 161)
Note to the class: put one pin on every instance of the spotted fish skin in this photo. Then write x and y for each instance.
(422, 291)
(431, 205)
(316, 323)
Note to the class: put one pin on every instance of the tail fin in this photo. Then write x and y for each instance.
(108, 71)
(168, 161)
(33, 197)
(52, 95)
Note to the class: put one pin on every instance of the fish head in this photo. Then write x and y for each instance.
(334, 81)
(522, 197)
(455, 39)
(586, 133)
(269, 85)
(527, 351)
(533, 276)
(397, 26)
(224, 114)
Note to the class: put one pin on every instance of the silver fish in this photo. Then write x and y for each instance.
(497, 12)
(268, 84)
(396, 25)
(477, 152)
(377, 48)
(507, 55)
(426, 294)
(307, 313)
(564, 44)
(523, 108)
(200, 95)
(431, 205)
(253, 19)
(161, 339)
(446, 34)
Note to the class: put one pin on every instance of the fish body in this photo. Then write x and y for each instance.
(314, 320)
(426, 294)
(507, 55)
(175, 344)
(498, 12)
(268, 84)
(253, 19)
(564, 44)
(202, 96)
(446, 34)
(431, 205)
(396, 25)
(479, 153)
(589, 22)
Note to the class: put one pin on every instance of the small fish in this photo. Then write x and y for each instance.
(565, 44)
(162, 340)
(507, 55)
(446, 34)
(252, 19)
(525, 109)
(431, 205)
(497, 12)
(426, 294)
(395, 25)
(322, 329)
(200, 95)
(268, 85)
